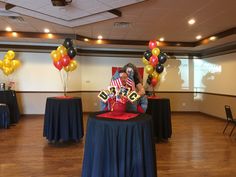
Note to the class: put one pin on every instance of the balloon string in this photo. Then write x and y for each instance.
(62, 80)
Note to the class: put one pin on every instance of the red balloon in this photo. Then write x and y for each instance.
(154, 82)
(152, 44)
(65, 60)
(153, 60)
(58, 65)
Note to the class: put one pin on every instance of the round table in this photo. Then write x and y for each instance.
(63, 120)
(159, 109)
(9, 98)
(119, 148)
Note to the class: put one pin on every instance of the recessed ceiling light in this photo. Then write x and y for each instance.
(191, 21)
(46, 30)
(8, 29)
(198, 37)
(100, 37)
(162, 39)
(99, 41)
(212, 38)
(50, 35)
(86, 39)
(14, 34)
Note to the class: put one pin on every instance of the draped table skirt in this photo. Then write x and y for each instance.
(119, 148)
(63, 120)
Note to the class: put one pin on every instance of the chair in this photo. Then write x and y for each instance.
(230, 119)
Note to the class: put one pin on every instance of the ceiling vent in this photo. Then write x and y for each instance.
(17, 19)
(122, 24)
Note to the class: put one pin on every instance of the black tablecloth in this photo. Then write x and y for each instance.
(9, 97)
(4, 116)
(118, 148)
(159, 109)
(63, 120)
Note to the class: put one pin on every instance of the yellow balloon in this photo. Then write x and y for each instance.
(67, 68)
(1, 63)
(15, 64)
(55, 55)
(155, 75)
(7, 70)
(10, 54)
(145, 61)
(73, 65)
(6, 57)
(149, 69)
(155, 51)
(62, 50)
(7, 63)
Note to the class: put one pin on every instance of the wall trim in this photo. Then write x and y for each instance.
(156, 92)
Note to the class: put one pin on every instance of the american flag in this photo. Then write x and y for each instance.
(118, 83)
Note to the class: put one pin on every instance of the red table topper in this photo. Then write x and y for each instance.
(64, 97)
(118, 115)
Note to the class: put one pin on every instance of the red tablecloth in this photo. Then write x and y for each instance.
(120, 116)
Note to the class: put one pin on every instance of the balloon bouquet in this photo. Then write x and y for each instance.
(8, 65)
(153, 60)
(63, 58)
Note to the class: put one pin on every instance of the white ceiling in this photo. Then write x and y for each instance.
(150, 19)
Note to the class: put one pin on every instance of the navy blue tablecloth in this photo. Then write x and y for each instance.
(159, 109)
(9, 98)
(119, 148)
(4, 116)
(63, 120)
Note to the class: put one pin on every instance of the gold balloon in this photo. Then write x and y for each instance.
(67, 68)
(155, 75)
(10, 54)
(7, 70)
(55, 55)
(155, 51)
(62, 50)
(149, 69)
(7, 63)
(145, 61)
(73, 65)
(6, 57)
(1, 63)
(15, 64)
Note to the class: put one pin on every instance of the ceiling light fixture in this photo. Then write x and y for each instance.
(8, 29)
(100, 37)
(99, 41)
(86, 39)
(198, 37)
(191, 21)
(162, 39)
(212, 38)
(14, 34)
(46, 30)
(50, 35)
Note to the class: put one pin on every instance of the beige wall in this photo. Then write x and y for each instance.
(178, 82)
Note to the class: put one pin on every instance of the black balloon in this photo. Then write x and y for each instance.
(149, 76)
(68, 43)
(162, 57)
(71, 52)
(159, 68)
(149, 81)
(147, 54)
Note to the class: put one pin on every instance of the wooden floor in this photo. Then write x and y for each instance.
(197, 149)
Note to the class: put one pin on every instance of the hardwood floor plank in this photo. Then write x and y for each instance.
(197, 148)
